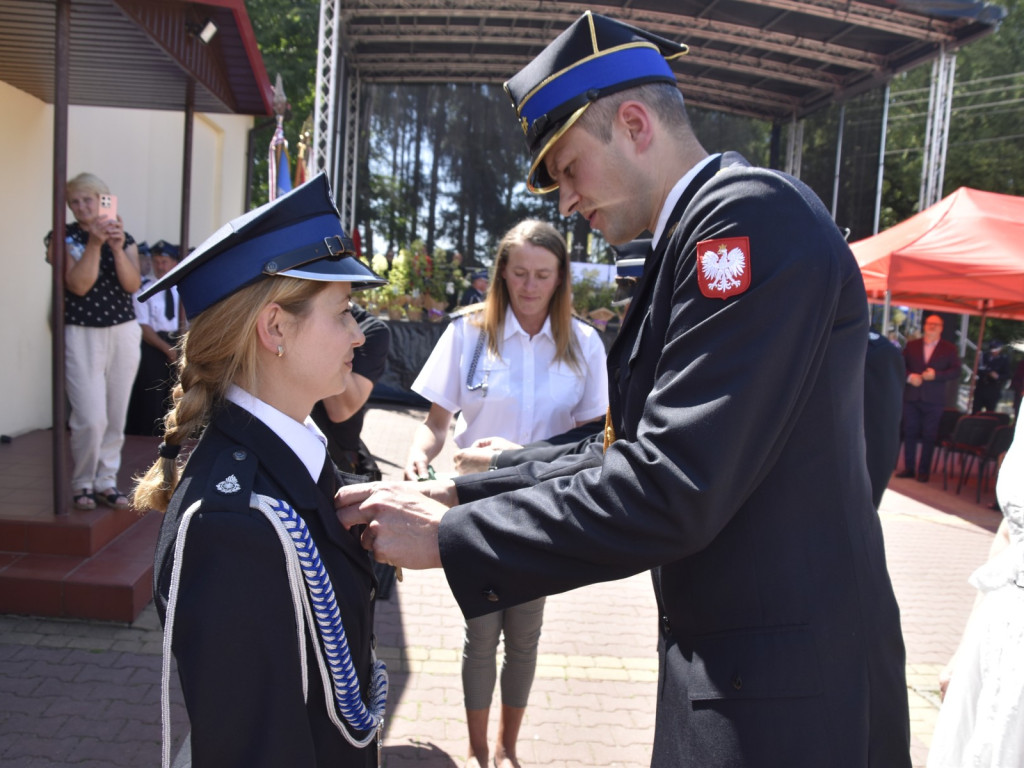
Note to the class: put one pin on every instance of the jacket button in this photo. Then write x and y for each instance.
(737, 682)
(666, 625)
(491, 595)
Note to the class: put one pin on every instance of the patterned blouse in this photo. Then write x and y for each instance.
(106, 303)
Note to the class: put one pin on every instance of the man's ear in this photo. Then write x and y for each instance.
(269, 327)
(637, 122)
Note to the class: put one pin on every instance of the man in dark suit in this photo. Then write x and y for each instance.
(734, 463)
(931, 362)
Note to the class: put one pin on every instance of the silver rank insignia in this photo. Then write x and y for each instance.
(229, 485)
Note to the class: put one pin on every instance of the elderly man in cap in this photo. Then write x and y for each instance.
(734, 462)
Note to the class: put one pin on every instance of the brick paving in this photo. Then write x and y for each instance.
(77, 693)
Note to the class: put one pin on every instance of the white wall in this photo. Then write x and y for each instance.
(139, 155)
(26, 136)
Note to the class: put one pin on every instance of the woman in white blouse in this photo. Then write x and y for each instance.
(517, 366)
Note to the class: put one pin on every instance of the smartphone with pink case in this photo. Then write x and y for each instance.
(108, 207)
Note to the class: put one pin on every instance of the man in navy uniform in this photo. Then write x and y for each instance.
(477, 290)
(734, 461)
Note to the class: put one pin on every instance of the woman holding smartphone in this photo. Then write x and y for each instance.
(250, 550)
(101, 339)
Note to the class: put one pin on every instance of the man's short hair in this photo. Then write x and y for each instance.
(666, 101)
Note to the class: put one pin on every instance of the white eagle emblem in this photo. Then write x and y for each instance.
(723, 269)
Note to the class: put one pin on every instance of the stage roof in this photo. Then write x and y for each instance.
(771, 59)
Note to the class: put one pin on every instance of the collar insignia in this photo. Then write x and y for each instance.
(229, 485)
(723, 267)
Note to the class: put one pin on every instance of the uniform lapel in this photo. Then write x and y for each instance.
(652, 264)
(621, 348)
(290, 475)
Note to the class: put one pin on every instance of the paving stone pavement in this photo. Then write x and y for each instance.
(76, 693)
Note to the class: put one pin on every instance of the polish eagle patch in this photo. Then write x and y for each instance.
(723, 266)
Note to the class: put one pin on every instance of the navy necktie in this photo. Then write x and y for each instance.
(168, 304)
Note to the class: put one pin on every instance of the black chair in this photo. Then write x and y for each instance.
(971, 433)
(1002, 418)
(947, 422)
(988, 456)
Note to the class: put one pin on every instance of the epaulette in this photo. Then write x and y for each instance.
(585, 321)
(467, 310)
(232, 478)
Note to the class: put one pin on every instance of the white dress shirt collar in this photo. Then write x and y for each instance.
(673, 198)
(305, 439)
(512, 326)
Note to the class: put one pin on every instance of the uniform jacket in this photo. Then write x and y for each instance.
(884, 377)
(738, 477)
(234, 636)
(945, 361)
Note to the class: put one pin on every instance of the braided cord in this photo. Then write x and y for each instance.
(332, 632)
(302, 561)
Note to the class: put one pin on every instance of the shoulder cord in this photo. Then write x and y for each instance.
(472, 367)
(302, 561)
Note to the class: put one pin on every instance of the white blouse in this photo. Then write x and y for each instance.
(522, 395)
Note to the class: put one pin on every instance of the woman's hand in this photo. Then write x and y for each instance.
(113, 232)
(416, 466)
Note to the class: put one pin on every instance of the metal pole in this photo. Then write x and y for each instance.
(839, 157)
(186, 184)
(880, 176)
(878, 199)
(62, 56)
(186, 166)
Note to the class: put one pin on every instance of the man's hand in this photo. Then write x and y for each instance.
(928, 374)
(914, 379)
(401, 519)
(470, 460)
(477, 457)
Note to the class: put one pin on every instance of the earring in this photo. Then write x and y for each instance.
(280, 351)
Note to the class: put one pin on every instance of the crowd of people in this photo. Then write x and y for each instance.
(742, 469)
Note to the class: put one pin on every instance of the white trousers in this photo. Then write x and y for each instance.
(100, 366)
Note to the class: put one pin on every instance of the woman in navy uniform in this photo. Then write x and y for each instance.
(271, 333)
(734, 464)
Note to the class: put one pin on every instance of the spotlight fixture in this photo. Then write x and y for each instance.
(204, 31)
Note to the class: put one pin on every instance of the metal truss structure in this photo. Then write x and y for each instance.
(776, 60)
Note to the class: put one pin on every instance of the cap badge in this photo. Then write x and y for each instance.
(229, 485)
(723, 267)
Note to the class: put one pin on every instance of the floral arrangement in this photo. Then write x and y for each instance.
(417, 288)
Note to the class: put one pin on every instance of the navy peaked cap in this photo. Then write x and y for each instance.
(297, 235)
(162, 246)
(594, 57)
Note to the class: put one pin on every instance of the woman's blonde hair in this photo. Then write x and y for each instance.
(219, 349)
(87, 182)
(560, 310)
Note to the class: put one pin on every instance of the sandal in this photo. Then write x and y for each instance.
(113, 498)
(84, 500)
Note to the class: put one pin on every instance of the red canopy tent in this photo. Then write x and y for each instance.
(964, 254)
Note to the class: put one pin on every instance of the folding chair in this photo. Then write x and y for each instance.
(971, 433)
